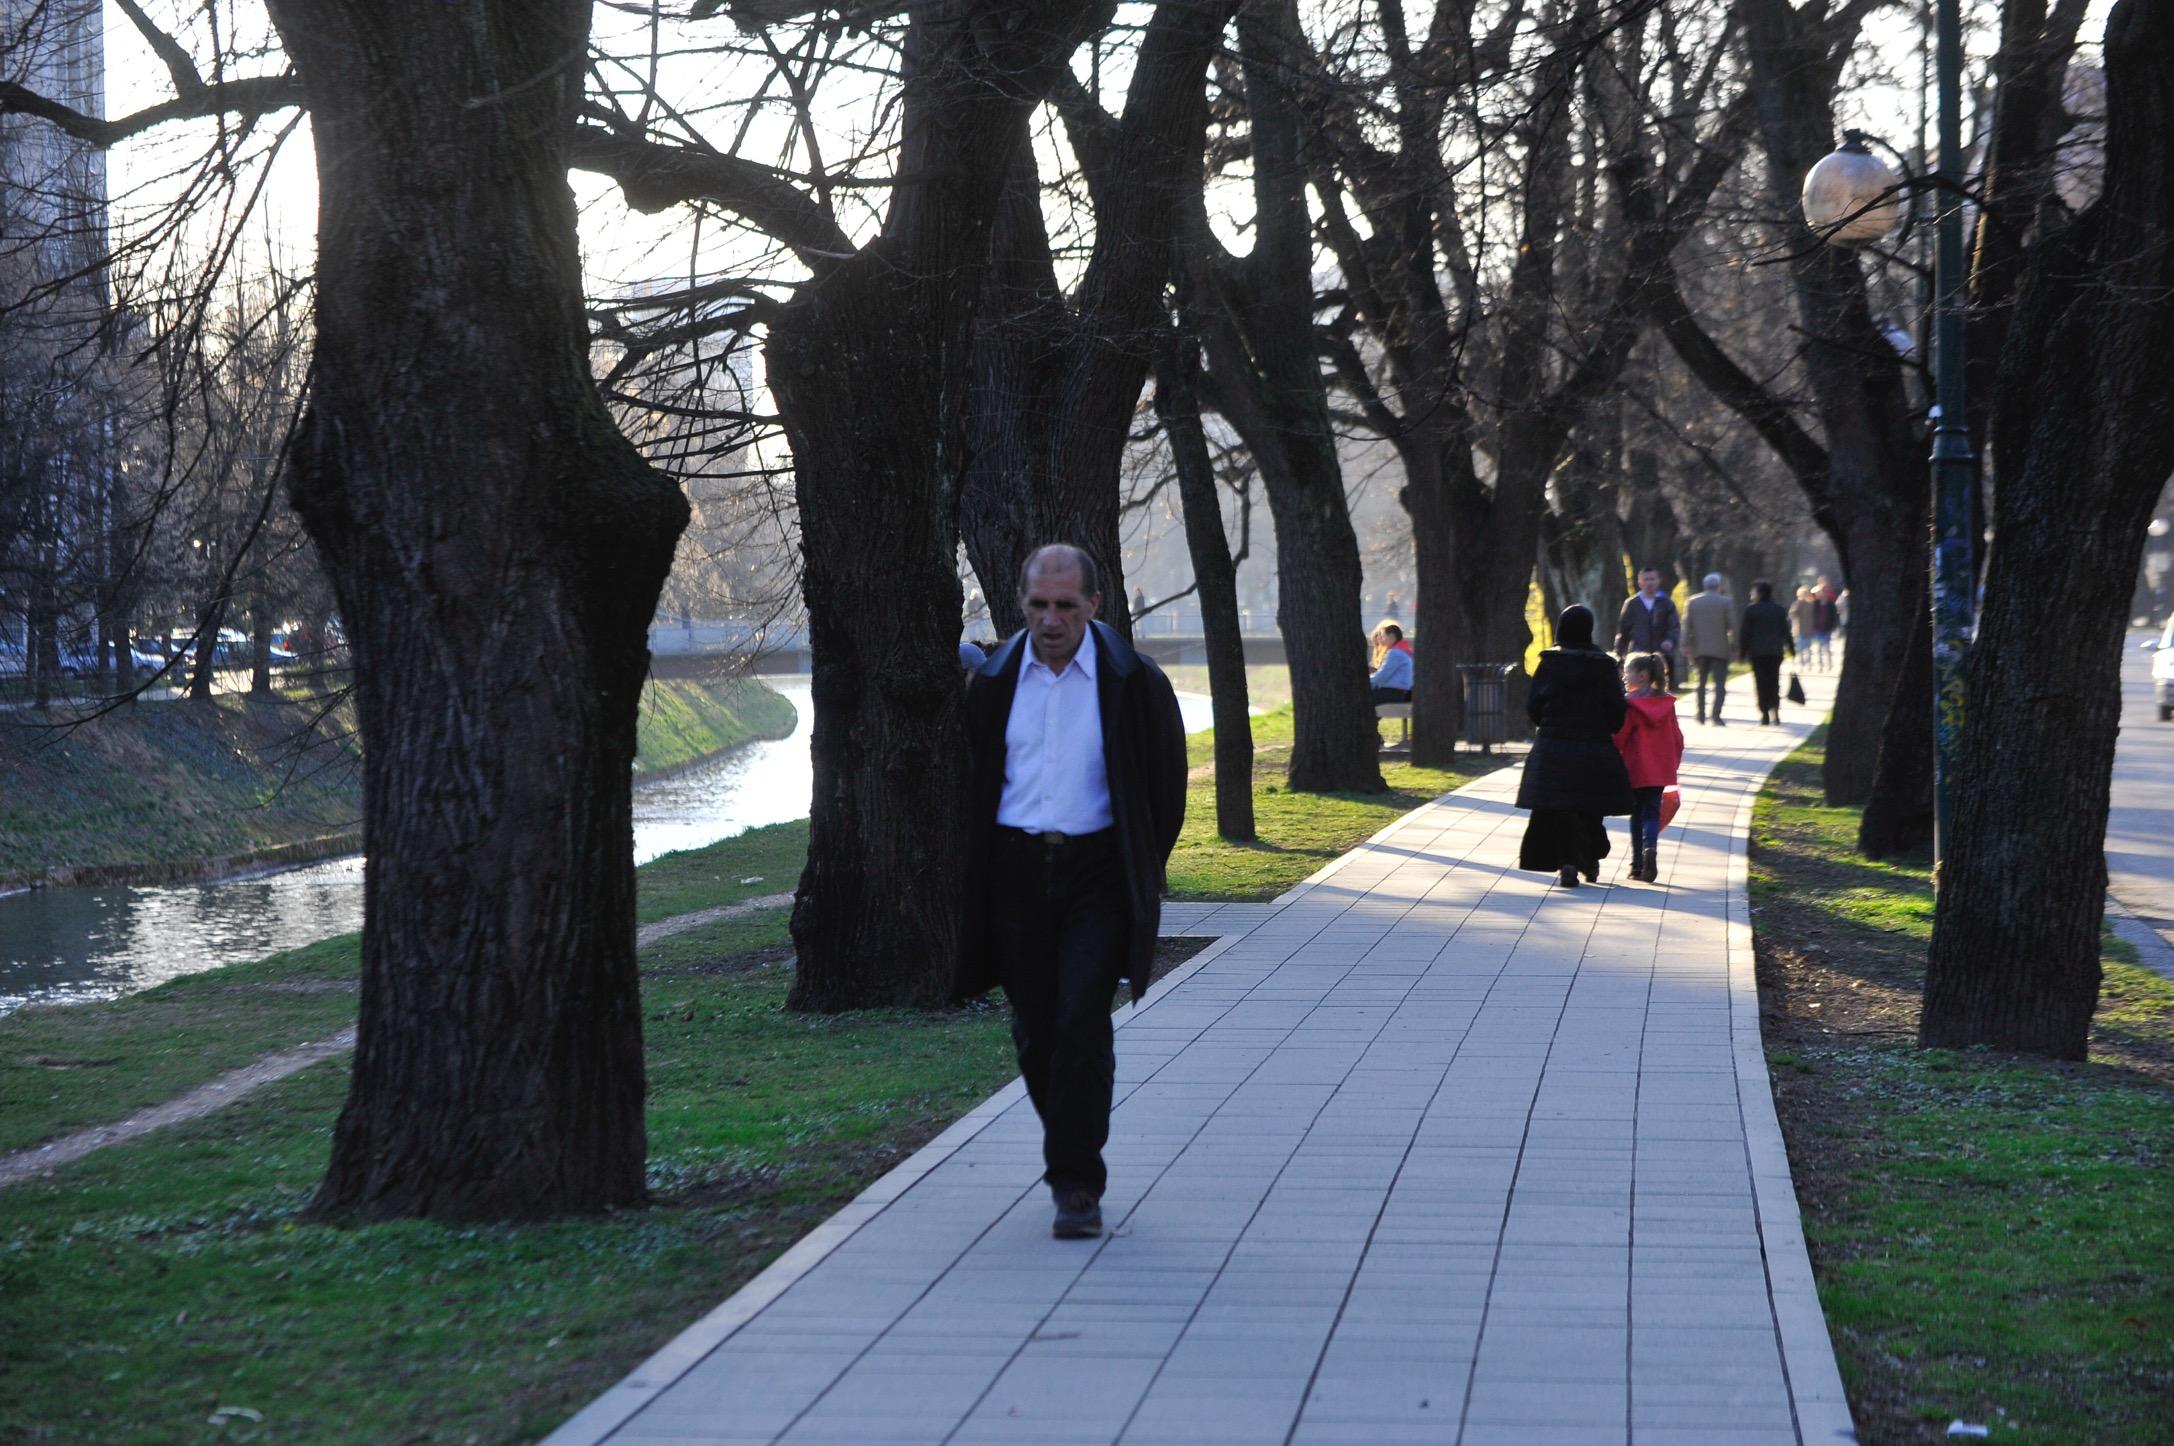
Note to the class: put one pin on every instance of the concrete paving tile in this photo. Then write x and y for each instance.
(1539, 1403)
(1424, 1091)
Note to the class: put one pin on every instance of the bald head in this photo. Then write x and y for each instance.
(1063, 557)
(1060, 593)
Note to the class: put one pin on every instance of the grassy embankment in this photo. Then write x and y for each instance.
(177, 1276)
(1991, 1233)
(166, 789)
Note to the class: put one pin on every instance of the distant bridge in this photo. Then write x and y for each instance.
(783, 648)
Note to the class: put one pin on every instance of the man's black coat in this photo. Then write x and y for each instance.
(1765, 632)
(1143, 752)
(1639, 629)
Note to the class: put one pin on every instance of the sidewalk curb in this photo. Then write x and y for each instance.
(607, 1413)
(1815, 1379)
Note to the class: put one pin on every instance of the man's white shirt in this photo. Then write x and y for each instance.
(1054, 777)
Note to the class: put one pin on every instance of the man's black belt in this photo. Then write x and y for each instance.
(1052, 840)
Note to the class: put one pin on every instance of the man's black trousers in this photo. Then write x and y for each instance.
(1766, 676)
(1061, 924)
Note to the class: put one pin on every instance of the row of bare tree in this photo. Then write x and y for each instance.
(968, 235)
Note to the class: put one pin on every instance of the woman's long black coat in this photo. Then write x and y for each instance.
(1577, 705)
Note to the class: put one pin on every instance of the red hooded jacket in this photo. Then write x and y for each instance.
(1650, 740)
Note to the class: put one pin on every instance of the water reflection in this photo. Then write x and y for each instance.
(64, 945)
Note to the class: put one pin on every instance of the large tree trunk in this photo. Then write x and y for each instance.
(1583, 535)
(869, 363)
(497, 549)
(1871, 493)
(876, 452)
(1650, 531)
(1898, 817)
(2084, 431)
(1215, 580)
(1056, 383)
(260, 643)
(1266, 379)
(42, 634)
(203, 662)
(1440, 625)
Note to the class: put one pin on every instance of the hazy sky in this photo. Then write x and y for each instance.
(625, 247)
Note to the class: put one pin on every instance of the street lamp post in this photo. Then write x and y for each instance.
(1850, 199)
(1954, 472)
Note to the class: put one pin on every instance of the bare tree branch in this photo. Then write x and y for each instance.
(654, 176)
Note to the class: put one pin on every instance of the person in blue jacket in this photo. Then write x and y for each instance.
(1392, 679)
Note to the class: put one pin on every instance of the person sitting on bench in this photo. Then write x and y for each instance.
(1392, 678)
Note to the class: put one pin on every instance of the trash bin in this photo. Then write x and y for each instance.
(1486, 703)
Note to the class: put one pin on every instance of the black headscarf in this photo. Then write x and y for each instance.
(1574, 629)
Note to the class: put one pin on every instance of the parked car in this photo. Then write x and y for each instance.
(2162, 672)
(229, 650)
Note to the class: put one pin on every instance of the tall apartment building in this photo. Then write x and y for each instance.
(55, 481)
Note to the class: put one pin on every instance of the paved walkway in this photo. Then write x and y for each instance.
(1424, 1151)
(2140, 829)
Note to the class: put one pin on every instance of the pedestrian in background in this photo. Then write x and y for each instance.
(1649, 623)
(1392, 676)
(1826, 620)
(1803, 617)
(1709, 636)
(1573, 778)
(1651, 742)
(1762, 640)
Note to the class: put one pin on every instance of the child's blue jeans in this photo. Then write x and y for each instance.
(1645, 820)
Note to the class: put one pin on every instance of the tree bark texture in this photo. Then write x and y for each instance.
(2084, 430)
(1872, 491)
(1215, 578)
(1057, 380)
(497, 549)
(1582, 533)
(1650, 528)
(1265, 378)
(869, 364)
(1898, 817)
(1477, 542)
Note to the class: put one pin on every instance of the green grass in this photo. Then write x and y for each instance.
(67, 1067)
(164, 784)
(1990, 1233)
(748, 865)
(1268, 685)
(684, 720)
(1298, 832)
(152, 1285)
(155, 1286)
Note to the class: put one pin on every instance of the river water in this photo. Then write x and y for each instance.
(71, 945)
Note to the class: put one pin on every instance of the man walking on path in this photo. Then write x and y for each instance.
(1709, 632)
(1763, 640)
(1078, 792)
(1649, 624)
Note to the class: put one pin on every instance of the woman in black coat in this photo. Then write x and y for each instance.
(1574, 777)
(1762, 640)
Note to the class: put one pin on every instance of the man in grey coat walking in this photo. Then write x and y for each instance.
(1709, 636)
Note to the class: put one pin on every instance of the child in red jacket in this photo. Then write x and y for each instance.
(1651, 743)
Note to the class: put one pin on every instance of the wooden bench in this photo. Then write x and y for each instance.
(1402, 712)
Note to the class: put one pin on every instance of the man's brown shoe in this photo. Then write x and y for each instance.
(1079, 1216)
